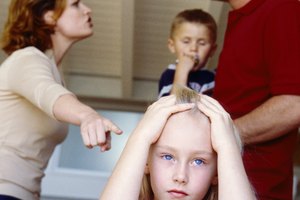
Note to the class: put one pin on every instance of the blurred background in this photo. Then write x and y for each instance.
(128, 51)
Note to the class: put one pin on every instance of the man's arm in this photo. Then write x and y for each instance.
(272, 119)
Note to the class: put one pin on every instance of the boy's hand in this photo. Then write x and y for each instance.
(188, 62)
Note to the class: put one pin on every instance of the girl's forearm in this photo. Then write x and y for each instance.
(126, 179)
(233, 180)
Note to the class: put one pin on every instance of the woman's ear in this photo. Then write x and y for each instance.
(171, 45)
(49, 17)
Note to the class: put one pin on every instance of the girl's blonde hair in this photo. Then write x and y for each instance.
(25, 25)
(187, 95)
(183, 95)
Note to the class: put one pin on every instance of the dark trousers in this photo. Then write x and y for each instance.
(5, 197)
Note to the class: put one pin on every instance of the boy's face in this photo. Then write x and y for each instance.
(182, 164)
(192, 39)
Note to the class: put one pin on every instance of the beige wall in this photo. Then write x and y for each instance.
(3, 13)
(127, 53)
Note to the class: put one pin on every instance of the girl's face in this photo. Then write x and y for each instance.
(75, 23)
(182, 164)
(192, 38)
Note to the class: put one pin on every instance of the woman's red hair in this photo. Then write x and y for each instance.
(25, 25)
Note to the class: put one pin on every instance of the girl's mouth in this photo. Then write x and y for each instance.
(177, 193)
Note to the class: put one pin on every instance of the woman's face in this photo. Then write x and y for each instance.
(182, 164)
(75, 23)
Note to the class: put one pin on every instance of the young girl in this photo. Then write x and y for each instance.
(185, 147)
(33, 99)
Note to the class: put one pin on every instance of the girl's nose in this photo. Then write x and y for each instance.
(181, 174)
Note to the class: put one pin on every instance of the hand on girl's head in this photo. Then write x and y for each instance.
(157, 115)
(222, 127)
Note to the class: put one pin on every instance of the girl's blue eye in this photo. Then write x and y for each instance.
(167, 157)
(198, 162)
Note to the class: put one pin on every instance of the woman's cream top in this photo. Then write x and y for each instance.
(30, 83)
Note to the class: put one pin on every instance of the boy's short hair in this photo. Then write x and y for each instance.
(195, 16)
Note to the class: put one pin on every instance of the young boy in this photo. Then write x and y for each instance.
(193, 40)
